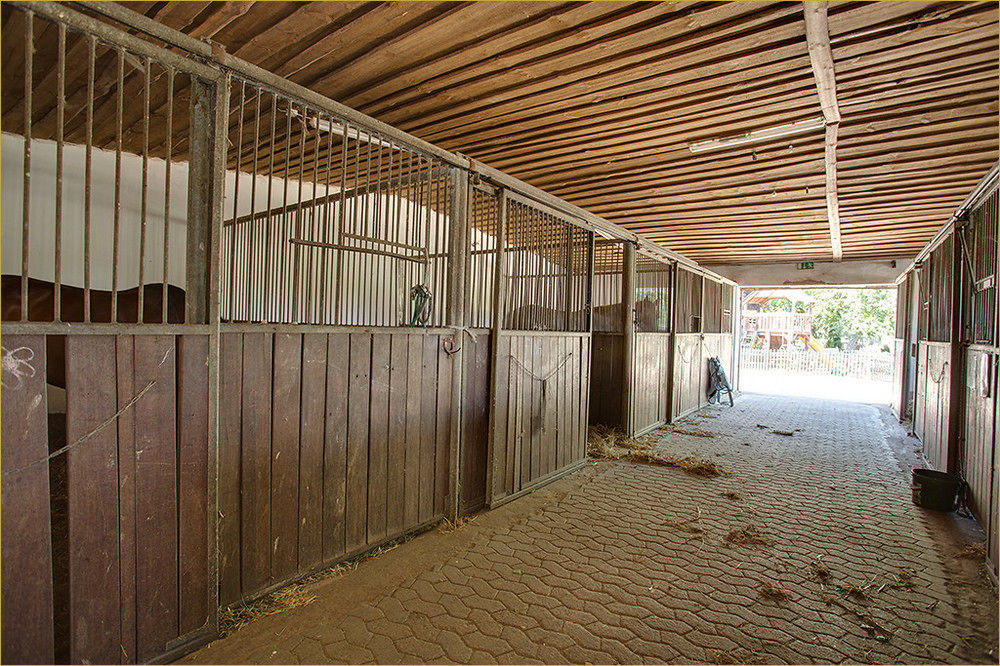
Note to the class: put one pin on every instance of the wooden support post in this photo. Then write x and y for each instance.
(821, 58)
(456, 314)
(959, 312)
(671, 379)
(628, 336)
(209, 135)
(499, 297)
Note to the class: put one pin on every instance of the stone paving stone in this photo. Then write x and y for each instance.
(601, 572)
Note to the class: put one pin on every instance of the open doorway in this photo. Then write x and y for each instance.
(822, 343)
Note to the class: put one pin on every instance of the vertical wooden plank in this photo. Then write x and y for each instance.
(194, 513)
(446, 420)
(155, 495)
(358, 391)
(504, 463)
(26, 540)
(532, 361)
(396, 448)
(411, 486)
(522, 443)
(256, 463)
(335, 452)
(230, 454)
(583, 380)
(284, 488)
(311, 437)
(91, 400)
(125, 353)
(379, 437)
(428, 423)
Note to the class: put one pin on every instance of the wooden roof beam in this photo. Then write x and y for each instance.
(821, 57)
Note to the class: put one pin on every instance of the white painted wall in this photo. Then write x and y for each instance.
(867, 273)
(41, 256)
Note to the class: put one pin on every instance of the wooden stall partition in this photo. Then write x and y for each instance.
(475, 422)
(606, 379)
(687, 374)
(540, 410)
(936, 404)
(979, 432)
(333, 442)
(651, 385)
(131, 501)
(26, 541)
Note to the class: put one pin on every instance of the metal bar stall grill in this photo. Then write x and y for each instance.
(541, 348)
(108, 430)
(607, 344)
(651, 370)
(330, 222)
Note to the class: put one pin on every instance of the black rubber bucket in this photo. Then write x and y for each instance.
(935, 490)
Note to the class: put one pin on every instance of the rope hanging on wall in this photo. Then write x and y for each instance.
(421, 297)
(544, 380)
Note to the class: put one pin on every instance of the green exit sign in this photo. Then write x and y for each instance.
(806, 266)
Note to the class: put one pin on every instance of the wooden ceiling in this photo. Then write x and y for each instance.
(598, 102)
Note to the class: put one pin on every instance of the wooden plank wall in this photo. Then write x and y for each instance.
(475, 422)
(935, 404)
(606, 379)
(687, 374)
(133, 569)
(650, 394)
(979, 440)
(330, 444)
(540, 425)
(26, 547)
(898, 351)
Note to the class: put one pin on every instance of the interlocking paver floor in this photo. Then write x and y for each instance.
(627, 563)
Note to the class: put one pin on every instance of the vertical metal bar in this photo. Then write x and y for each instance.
(168, 149)
(60, 116)
(499, 296)
(285, 247)
(147, 64)
(236, 207)
(29, 51)
(252, 249)
(118, 185)
(313, 235)
(87, 170)
(338, 296)
(628, 337)
(327, 236)
(269, 221)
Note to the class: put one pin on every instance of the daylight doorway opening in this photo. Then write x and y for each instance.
(821, 343)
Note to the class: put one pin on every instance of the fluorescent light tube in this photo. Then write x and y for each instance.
(758, 135)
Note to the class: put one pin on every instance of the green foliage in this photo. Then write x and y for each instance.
(778, 305)
(840, 315)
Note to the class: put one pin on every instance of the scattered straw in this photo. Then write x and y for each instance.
(448, 527)
(748, 536)
(774, 592)
(693, 432)
(295, 594)
(905, 579)
(604, 443)
(854, 592)
(686, 525)
(820, 572)
(692, 466)
(972, 551)
(731, 495)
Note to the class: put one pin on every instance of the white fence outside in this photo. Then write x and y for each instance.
(865, 364)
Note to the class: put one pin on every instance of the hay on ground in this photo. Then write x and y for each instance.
(748, 536)
(820, 572)
(691, 465)
(732, 495)
(972, 551)
(773, 592)
(693, 432)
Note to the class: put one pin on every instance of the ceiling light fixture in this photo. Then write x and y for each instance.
(800, 127)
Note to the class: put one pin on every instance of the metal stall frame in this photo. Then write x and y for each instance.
(212, 71)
